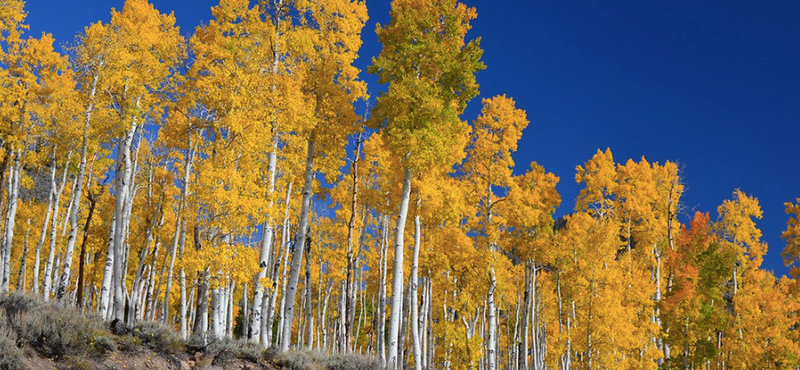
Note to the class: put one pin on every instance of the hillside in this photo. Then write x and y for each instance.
(45, 335)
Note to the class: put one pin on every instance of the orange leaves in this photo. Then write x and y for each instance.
(791, 254)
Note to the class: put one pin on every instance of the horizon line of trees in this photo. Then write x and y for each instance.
(225, 185)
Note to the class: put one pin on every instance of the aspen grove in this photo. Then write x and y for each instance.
(232, 185)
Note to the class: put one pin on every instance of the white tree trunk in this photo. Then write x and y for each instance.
(351, 227)
(229, 309)
(107, 291)
(123, 175)
(266, 250)
(48, 267)
(11, 216)
(412, 286)
(397, 275)
(184, 324)
(491, 341)
(73, 216)
(284, 280)
(216, 314)
(277, 260)
(179, 244)
(380, 346)
(297, 257)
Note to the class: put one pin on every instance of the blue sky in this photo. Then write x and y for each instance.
(712, 85)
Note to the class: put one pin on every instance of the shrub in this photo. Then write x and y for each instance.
(57, 331)
(226, 349)
(312, 360)
(158, 337)
(10, 354)
(129, 344)
(352, 361)
(77, 363)
(103, 344)
(14, 303)
(299, 360)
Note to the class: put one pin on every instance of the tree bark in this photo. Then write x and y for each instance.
(294, 276)
(22, 274)
(309, 314)
(397, 275)
(73, 216)
(11, 216)
(201, 319)
(266, 250)
(123, 175)
(106, 291)
(82, 259)
(412, 286)
(351, 226)
(380, 346)
(48, 267)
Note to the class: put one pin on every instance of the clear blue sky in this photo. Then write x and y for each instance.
(713, 85)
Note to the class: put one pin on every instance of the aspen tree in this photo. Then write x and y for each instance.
(142, 46)
(430, 70)
(487, 168)
(333, 86)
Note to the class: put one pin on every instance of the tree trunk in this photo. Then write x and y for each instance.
(351, 226)
(397, 275)
(82, 258)
(173, 254)
(73, 216)
(45, 223)
(48, 267)
(216, 313)
(412, 286)
(266, 250)
(23, 266)
(294, 276)
(106, 291)
(179, 244)
(491, 341)
(123, 175)
(309, 316)
(229, 291)
(11, 216)
(380, 346)
(277, 261)
(201, 319)
(284, 280)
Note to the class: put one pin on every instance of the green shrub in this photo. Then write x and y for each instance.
(158, 337)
